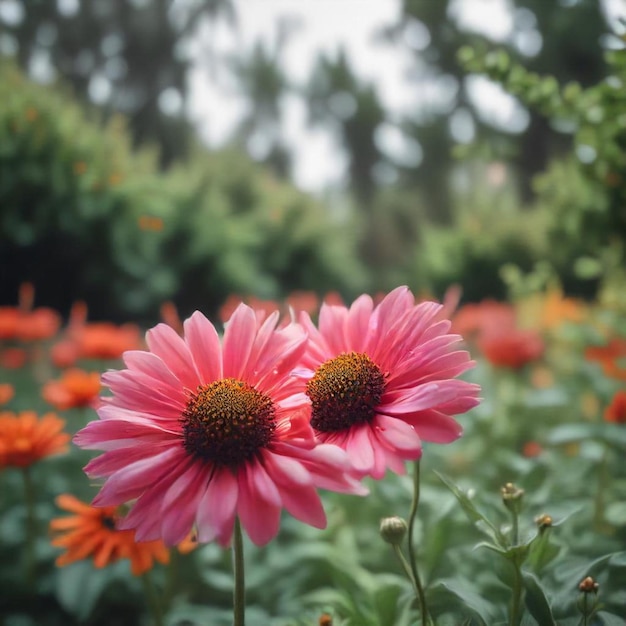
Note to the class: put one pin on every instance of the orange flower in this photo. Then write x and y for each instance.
(616, 411)
(474, 320)
(6, 392)
(99, 340)
(104, 340)
(169, 314)
(24, 322)
(558, 309)
(37, 325)
(75, 388)
(13, 358)
(532, 449)
(9, 316)
(93, 532)
(612, 357)
(303, 301)
(25, 439)
(512, 349)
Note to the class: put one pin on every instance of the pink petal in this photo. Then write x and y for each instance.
(332, 320)
(216, 509)
(104, 435)
(238, 341)
(259, 518)
(131, 481)
(204, 346)
(434, 426)
(165, 342)
(358, 323)
(396, 434)
(180, 504)
(360, 448)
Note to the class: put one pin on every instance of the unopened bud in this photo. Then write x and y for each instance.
(588, 585)
(393, 529)
(543, 522)
(512, 497)
(325, 620)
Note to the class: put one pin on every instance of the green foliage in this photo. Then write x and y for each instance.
(78, 205)
(583, 194)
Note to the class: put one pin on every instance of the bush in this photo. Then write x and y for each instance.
(84, 216)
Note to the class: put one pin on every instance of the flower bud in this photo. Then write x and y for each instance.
(325, 620)
(544, 522)
(512, 497)
(393, 529)
(588, 585)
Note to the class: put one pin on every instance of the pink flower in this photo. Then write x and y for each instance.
(381, 380)
(200, 431)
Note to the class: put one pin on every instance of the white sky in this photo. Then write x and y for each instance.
(327, 25)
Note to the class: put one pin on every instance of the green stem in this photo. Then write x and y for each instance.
(152, 598)
(516, 598)
(31, 526)
(598, 503)
(239, 592)
(515, 528)
(411, 547)
(405, 566)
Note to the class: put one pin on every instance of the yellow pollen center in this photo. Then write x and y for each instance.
(345, 391)
(227, 422)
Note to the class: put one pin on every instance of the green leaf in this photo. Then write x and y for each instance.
(483, 610)
(536, 601)
(571, 433)
(79, 585)
(481, 522)
(608, 619)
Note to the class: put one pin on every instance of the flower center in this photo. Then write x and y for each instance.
(227, 422)
(108, 521)
(345, 391)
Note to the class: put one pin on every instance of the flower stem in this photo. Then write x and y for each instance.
(516, 598)
(31, 526)
(411, 547)
(239, 592)
(152, 598)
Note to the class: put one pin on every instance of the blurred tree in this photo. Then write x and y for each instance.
(539, 36)
(128, 56)
(352, 108)
(264, 84)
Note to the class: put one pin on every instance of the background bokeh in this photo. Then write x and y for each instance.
(154, 150)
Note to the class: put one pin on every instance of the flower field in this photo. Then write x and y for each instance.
(383, 462)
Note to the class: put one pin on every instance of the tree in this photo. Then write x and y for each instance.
(126, 56)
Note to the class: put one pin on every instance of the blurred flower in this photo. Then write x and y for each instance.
(75, 388)
(616, 411)
(25, 439)
(513, 349)
(37, 325)
(150, 223)
(104, 340)
(381, 380)
(541, 377)
(532, 449)
(9, 316)
(475, 320)
(13, 358)
(94, 340)
(25, 323)
(169, 314)
(303, 301)
(6, 393)
(557, 309)
(93, 532)
(200, 430)
(612, 357)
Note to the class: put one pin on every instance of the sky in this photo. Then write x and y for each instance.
(326, 25)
